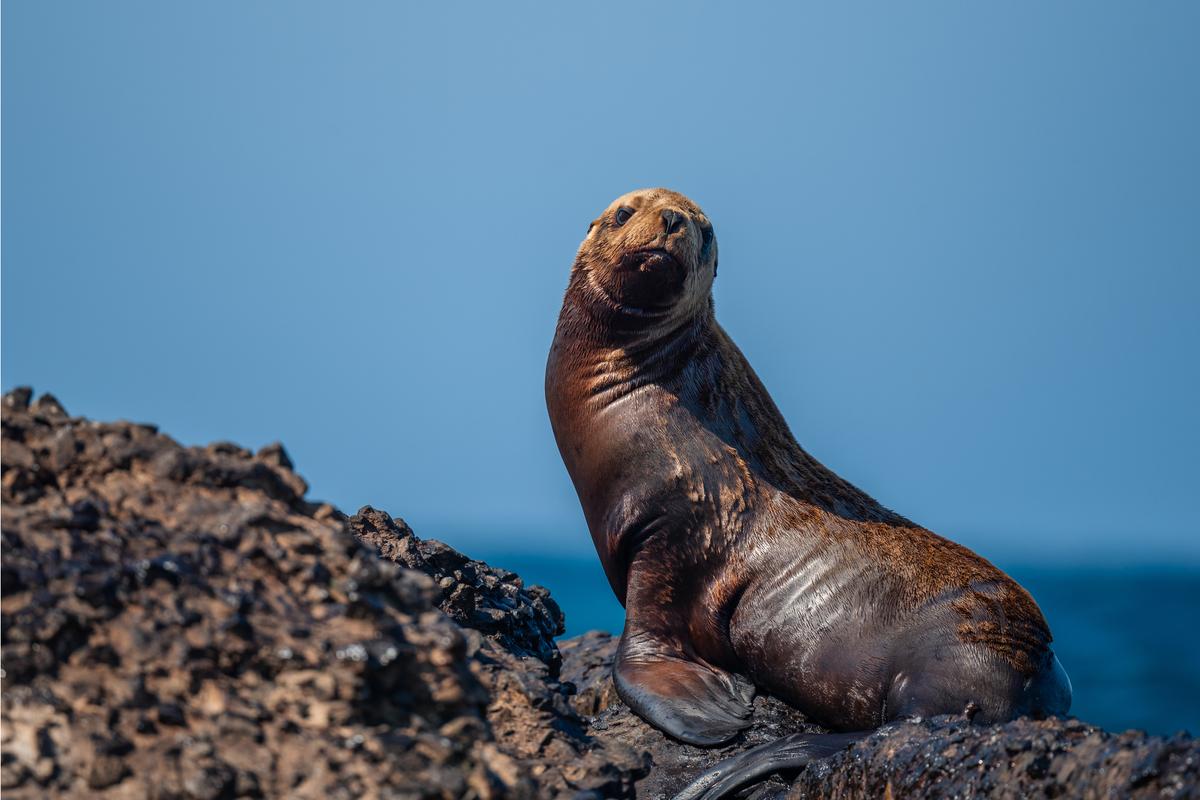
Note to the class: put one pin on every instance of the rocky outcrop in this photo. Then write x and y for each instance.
(181, 622)
(949, 757)
(514, 656)
(946, 757)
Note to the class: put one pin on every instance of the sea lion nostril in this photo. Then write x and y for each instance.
(673, 220)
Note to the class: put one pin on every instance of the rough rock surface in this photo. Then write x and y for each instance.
(587, 664)
(949, 757)
(946, 757)
(180, 622)
(522, 620)
(531, 713)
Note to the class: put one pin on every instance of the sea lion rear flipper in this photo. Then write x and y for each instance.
(694, 702)
(790, 752)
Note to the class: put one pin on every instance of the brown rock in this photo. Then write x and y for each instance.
(177, 622)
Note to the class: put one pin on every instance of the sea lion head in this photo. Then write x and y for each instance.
(652, 255)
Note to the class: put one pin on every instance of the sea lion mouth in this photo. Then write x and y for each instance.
(650, 259)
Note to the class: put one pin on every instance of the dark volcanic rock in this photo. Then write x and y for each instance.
(949, 757)
(492, 601)
(181, 622)
(587, 663)
(516, 659)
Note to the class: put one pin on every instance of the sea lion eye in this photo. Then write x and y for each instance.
(707, 234)
(623, 214)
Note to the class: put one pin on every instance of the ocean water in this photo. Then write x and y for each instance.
(1129, 638)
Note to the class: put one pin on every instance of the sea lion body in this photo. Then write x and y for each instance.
(742, 561)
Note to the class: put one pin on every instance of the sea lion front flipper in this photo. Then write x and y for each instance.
(692, 701)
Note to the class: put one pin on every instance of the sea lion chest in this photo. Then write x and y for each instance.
(645, 466)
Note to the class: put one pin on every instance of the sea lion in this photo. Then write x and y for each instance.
(741, 561)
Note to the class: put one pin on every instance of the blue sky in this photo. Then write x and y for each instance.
(959, 243)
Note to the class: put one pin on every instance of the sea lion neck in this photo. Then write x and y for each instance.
(590, 318)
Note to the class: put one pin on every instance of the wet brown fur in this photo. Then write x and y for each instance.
(706, 513)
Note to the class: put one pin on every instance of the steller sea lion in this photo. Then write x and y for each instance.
(742, 562)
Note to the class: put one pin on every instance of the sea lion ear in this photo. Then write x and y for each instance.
(715, 262)
(591, 225)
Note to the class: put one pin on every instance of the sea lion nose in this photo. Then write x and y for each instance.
(673, 219)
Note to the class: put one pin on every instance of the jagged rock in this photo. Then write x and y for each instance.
(949, 757)
(946, 757)
(517, 660)
(492, 601)
(181, 622)
(587, 663)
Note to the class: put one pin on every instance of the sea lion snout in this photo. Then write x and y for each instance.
(673, 219)
(681, 237)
